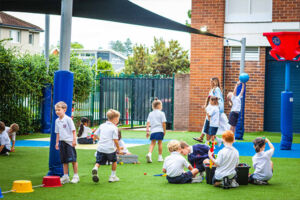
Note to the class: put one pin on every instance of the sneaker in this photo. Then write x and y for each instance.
(65, 179)
(148, 157)
(160, 159)
(198, 139)
(225, 182)
(75, 179)
(6, 154)
(95, 175)
(259, 182)
(234, 184)
(113, 179)
(197, 179)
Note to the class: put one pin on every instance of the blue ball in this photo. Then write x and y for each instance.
(244, 77)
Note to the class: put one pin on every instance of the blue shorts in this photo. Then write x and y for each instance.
(67, 152)
(157, 136)
(183, 178)
(206, 127)
(213, 130)
(102, 158)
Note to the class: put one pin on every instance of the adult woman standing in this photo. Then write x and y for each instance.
(223, 125)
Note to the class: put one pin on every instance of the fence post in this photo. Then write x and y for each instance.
(132, 100)
(173, 88)
(46, 109)
(101, 99)
(92, 102)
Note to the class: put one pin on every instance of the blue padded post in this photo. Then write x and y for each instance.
(63, 91)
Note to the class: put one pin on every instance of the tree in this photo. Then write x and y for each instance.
(76, 45)
(128, 46)
(187, 22)
(104, 67)
(118, 46)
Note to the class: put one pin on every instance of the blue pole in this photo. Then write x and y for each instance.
(286, 121)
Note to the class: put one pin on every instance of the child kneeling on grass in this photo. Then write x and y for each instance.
(174, 166)
(227, 161)
(262, 163)
(66, 142)
(108, 145)
(12, 132)
(5, 146)
(197, 155)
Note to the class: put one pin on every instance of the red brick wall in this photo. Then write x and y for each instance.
(254, 112)
(181, 102)
(206, 56)
(286, 11)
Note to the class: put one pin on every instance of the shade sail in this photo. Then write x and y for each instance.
(122, 11)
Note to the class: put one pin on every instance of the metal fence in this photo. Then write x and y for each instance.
(130, 95)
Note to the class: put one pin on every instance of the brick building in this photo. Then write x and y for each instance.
(217, 57)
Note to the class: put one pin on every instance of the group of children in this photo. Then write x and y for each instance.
(8, 138)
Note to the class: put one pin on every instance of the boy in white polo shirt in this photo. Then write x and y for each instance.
(66, 142)
(5, 146)
(227, 161)
(108, 145)
(174, 166)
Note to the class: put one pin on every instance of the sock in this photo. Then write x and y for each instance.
(66, 175)
(96, 168)
(113, 173)
(150, 154)
(160, 156)
(75, 175)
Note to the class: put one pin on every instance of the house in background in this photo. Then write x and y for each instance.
(90, 56)
(24, 35)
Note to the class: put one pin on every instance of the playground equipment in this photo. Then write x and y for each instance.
(22, 186)
(51, 181)
(285, 47)
(244, 77)
(1, 196)
(212, 146)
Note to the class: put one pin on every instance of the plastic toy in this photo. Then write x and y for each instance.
(212, 146)
(244, 77)
(145, 173)
(160, 175)
(51, 181)
(1, 196)
(22, 186)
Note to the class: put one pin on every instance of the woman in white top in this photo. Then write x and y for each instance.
(84, 132)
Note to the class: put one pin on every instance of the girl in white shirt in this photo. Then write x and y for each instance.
(84, 132)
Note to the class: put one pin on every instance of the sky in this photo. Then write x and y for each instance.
(95, 33)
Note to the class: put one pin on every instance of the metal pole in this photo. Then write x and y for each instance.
(47, 30)
(287, 76)
(65, 34)
(243, 52)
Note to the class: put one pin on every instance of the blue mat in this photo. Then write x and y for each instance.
(246, 149)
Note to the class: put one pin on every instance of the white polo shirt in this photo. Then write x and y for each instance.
(156, 118)
(65, 128)
(86, 132)
(12, 135)
(262, 165)
(109, 133)
(236, 103)
(4, 140)
(174, 164)
(214, 113)
(227, 160)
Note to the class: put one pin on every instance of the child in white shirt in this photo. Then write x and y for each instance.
(5, 146)
(157, 123)
(12, 132)
(262, 163)
(213, 113)
(235, 103)
(226, 162)
(122, 144)
(84, 132)
(174, 166)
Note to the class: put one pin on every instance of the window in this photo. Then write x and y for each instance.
(31, 38)
(252, 53)
(15, 36)
(248, 11)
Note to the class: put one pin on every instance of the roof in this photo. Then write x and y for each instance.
(7, 20)
(100, 50)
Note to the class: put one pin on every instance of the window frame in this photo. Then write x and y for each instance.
(18, 36)
(32, 40)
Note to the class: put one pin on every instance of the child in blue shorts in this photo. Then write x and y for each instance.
(213, 112)
(157, 123)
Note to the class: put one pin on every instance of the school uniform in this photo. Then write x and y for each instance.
(235, 109)
(174, 165)
(214, 113)
(156, 118)
(227, 160)
(4, 140)
(65, 127)
(262, 165)
(83, 138)
(106, 150)
(11, 135)
(198, 154)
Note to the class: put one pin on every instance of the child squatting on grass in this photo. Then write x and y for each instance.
(262, 164)
(12, 132)
(157, 123)
(5, 146)
(66, 142)
(227, 161)
(174, 166)
(108, 145)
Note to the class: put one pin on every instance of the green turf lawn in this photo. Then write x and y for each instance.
(32, 164)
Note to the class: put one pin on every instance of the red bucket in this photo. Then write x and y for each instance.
(51, 181)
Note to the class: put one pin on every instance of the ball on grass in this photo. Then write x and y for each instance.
(244, 77)
(145, 173)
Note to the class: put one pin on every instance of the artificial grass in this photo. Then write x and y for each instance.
(32, 164)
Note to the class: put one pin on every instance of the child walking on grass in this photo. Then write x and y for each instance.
(262, 163)
(108, 145)
(226, 162)
(157, 123)
(235, 103)
(66, 142)
(174, 166)
(5, 146)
